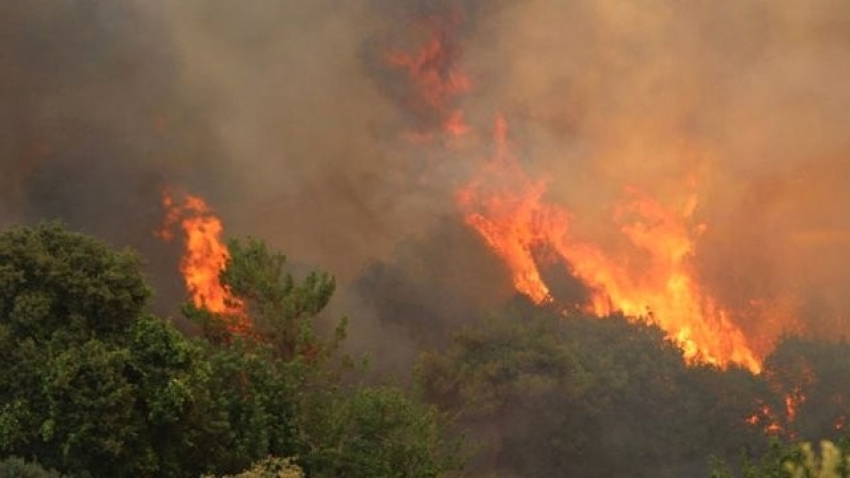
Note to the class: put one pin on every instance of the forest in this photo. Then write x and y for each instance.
(94, 384)
(424, 238)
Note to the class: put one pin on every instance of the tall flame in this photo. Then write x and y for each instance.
(508, 209)
(204, 258)
(648, 275)
(505, 206)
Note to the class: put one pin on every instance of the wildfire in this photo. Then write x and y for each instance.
(508, 209)
(204, 258)
(793, 401)
(766, 419)
(505, 207)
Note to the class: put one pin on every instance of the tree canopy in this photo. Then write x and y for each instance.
(546, 395)
(91, 384)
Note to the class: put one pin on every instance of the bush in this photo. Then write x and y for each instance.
(14, 467)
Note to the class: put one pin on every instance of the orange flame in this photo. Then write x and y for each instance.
(767, 419)
(770, 421)
(433, 75)
(204, 258)
(792, 403)
(508, 209)
(504, 206)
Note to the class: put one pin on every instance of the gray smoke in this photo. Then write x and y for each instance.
(286, 117)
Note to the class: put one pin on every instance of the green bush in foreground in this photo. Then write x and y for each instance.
(93, 385)
(799, 460)
(14, 467)
(270, 468)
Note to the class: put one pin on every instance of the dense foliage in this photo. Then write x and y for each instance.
(544, 395)
(798, 460)
(548, 396)
(92, 385)
(14, 467)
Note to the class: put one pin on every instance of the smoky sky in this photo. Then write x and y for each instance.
(286, 117)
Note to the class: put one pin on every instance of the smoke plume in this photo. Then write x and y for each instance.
(298, 123)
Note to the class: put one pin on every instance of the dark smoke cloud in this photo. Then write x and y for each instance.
(743, 104)
(83, 86)
(307, 135)
(286, 118)
(436, 284)
(275, 112)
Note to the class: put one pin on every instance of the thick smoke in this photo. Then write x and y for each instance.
(744, 104)
(289, 119)
(318, 165)
(91, 108)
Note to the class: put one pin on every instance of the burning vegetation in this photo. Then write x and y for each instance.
(649, 276)
(573, 216)
(204, 258)
(508, 209)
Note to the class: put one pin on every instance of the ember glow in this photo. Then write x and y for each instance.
(204, 258)
(765, 418)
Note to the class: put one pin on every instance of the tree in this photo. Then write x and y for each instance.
(14, 467)
(56, 282)
(799, 460)
(548, 395)
(89, 383)
(253, 399)
(92, 385)
(66, 303)
(285, 378)
(282, 310)
(271, 468)
(811, 380)
(376, 431)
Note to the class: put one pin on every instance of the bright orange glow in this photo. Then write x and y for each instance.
(766, 419)
(792, 403)
(509, 210)
(204, 258)
(505, 207)
(648, 276)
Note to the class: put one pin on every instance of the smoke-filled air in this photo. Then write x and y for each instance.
(678, 166)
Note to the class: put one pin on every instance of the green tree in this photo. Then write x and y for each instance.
(283, 310)
(14, 467)
(375, 432)
(548, 395)
(814, 377)
(53, 282)
(89, 383)
(285, 378)
(92, 385)
(271, 468)
(798, 460)
(66, 302)
(279, 389)
(261, 379)
(253, 399)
